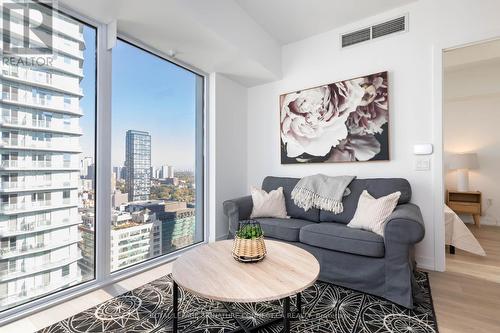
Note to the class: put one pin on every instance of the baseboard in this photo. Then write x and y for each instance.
(485, 220)
(221, 237)
(426, 263)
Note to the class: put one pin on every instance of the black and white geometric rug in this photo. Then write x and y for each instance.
(326, 308)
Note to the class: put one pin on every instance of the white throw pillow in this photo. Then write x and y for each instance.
(372, 213)
(270, 204)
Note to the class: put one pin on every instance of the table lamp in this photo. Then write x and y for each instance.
(463, 163)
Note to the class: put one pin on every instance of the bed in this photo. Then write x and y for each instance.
(458, 235)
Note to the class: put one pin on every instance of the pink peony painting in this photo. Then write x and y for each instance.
(346, 121)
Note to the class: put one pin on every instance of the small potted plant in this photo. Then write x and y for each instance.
(249, 243)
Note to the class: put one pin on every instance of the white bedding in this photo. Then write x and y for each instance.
(458, 235)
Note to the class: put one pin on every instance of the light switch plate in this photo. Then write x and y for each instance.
(422, 164)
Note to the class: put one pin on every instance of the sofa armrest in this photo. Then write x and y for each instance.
(405, 225)
(403, 228)
(236, 210)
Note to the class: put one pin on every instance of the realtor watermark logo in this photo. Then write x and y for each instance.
(27, 28)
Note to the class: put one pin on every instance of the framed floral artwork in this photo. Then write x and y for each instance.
(346, 121)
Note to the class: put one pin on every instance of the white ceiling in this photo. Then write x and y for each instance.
(239, 38)
(292, 20)
(472, 55)
(472, 72)
(199, 35)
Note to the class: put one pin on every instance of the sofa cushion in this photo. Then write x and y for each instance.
(377, 187)
(339, 237)
(283, 229)
(268, 204)
(272, 183)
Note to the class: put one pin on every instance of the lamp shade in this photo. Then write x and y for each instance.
(464, 161)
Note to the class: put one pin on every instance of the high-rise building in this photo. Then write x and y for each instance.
(90, 172)
(123, 173)
(118, 198)
(113, 181)
(138, 164)
(118, 170)
(170, 173)
(166, 171)
(178, 225)
(155, 172)
(87, 245)
(86, 164)
(177, 221)
(39, 170)
(135, 237)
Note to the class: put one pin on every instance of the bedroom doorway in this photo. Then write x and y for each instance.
(471, 159)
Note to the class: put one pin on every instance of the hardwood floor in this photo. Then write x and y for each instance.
(467, 296)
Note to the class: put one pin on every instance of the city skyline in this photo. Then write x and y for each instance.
(122, 165)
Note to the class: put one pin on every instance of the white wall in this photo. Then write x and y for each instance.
(409, 59)
(471, 118)
(228, 170)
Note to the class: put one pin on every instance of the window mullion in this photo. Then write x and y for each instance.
(103, 174)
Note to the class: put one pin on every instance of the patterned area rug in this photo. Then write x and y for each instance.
(326, 308)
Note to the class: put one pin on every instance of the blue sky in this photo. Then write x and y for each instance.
(149, 94)
(87, 103)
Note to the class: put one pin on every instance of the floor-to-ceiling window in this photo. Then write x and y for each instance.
(53, 238)
(155, 156)
(47, 187)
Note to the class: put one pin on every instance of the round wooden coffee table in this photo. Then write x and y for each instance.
(209, 271)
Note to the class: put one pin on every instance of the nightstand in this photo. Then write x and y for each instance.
(465, 203)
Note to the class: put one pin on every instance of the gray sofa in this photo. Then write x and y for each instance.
(353, 258)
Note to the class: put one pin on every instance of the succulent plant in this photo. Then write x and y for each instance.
(250, 231)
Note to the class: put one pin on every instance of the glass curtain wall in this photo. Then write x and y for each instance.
(47, 168)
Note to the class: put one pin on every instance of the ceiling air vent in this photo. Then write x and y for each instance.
(389, 27)
(393, 26)
(356, 37)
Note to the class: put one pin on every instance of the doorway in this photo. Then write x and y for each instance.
(471, 159)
